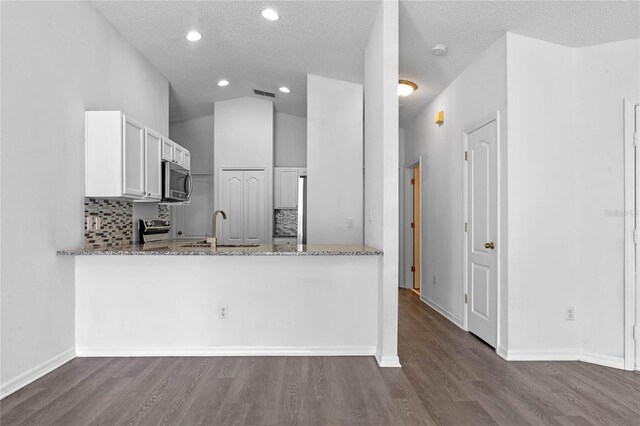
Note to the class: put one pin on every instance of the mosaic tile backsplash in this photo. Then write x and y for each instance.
(286, 223)
(163, 212)
(117, 222)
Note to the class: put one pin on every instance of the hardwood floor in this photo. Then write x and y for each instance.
(449, 377)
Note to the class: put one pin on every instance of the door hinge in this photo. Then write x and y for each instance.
(465, 227)
(465, 156)
(413, 181)
(413, 269)
(635, 333)
(635, 138)
(413, 225)
(465, 298)
(635, 236)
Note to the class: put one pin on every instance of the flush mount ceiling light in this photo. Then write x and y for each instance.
(223, 83)
(406, 87)
(194, 36)
(439, 49)
(285, 89)
(270, 14)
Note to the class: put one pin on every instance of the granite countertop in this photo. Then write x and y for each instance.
(176, 248)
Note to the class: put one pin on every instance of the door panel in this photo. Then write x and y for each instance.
(153, 160)
(482, 216)
(254, 207)
(231, 203)
(133, 158)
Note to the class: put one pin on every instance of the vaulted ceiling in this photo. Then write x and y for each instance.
(319, 37)
(329, 37)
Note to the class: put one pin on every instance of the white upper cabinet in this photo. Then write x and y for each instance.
(122, 157)
(286, 187)
(167, 149)
(175, 153)
(153, 161)
(133, 158)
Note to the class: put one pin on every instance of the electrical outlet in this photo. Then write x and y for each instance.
(570, 313)
(435, 280)
(350, 222)
(223, 311)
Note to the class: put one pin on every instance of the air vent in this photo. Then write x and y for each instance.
(263, 93)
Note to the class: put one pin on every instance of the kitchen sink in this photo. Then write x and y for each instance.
(207, 245)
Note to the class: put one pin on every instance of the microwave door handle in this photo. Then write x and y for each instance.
(189, 185)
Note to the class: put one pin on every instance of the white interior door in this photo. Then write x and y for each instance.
(231, 200)
(194, 220)
(254, 208)
(482, 232)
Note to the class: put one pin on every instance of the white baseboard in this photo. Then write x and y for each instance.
(565, 355)
(227, 351)
(36, 372)
(442, 311)
(502, 352)
(388, 361)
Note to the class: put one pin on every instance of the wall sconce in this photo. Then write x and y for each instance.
(438, 118)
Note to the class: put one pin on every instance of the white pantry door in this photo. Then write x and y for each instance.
(254, 207)
(231, 200)
(482, 232)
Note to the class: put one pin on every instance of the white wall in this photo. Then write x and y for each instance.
(479, 91)
(67, 59)
(334, 161)
(290, 141)
(381, 162)
(607, 74)
(542, 196)
(197, 136)
(243, 133)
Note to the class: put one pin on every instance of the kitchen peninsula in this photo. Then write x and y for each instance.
(165, 299)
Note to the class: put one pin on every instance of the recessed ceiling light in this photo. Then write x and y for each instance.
(270, 14)
(285, 89)
(194, 36)
(223, 83)
(439, 49)
(406, 87)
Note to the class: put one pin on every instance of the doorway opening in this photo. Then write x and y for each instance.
(415, 228)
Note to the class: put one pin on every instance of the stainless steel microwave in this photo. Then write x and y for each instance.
(176, 183)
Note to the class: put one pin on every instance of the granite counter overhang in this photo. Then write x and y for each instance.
(175, 248)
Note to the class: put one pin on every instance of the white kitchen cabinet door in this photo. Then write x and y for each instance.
(254, 207)
(187, 159)
(153, 161)
(286, 188)
(178, 155)
(231, 202)
(167, 149)
(133, 158)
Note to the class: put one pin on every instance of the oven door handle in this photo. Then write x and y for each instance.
(189, 185)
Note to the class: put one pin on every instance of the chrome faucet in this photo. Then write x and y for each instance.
(214, 239)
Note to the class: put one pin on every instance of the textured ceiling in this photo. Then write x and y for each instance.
(319, 37)
(470, 27)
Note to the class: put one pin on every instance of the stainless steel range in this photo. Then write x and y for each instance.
(152, 230)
